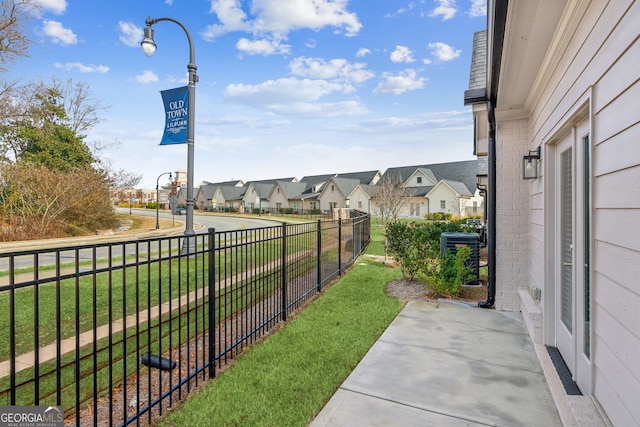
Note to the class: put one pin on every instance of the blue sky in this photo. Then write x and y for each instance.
(286, 88)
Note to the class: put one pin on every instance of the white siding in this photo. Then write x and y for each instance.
(359, 199)
(277, 198)
(331, 195)
(600, 56)
(442, 192)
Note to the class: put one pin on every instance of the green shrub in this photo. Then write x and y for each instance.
(451, 272)
(409, 245)
(416, 247)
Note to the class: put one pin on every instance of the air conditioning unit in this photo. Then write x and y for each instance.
(451, 242)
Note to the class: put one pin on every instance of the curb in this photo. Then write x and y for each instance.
(27, 245)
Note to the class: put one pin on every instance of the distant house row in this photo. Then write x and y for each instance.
(445, 188)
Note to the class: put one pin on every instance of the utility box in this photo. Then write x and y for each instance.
(451, 242)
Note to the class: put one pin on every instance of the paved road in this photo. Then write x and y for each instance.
(220, 223)
(201, 224)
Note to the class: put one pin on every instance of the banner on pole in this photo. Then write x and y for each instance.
(176, 107)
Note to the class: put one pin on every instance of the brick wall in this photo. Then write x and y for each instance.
(511, 213)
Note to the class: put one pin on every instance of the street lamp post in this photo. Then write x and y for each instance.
(158, 197)
(149, 47)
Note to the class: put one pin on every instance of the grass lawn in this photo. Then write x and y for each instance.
(287, 378)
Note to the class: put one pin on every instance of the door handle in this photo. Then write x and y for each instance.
(567, 264)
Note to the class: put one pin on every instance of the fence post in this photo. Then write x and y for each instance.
(319, 257)
(211, 305)
(284, 272)
(12, 332)
(355, 238)
(339, 246)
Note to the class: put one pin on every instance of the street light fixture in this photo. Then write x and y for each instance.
(149, 47)
(158, 197)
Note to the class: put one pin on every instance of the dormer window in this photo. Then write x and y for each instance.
(419, 180)
(332, 188)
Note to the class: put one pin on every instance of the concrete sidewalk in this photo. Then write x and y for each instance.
(442, 364)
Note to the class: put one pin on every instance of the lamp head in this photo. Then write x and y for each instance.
(148, 45)
(530, 164)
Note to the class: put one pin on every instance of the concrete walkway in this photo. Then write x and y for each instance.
(442, 364)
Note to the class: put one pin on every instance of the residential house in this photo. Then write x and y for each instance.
(227, 197)
(444, 188)
(366, 177)
(557, 103)
(360, 197)
(205, 195)
(257, 193)
(309, 197)
(341, 192)
(284, 195)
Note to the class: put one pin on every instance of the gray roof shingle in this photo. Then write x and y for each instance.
(464, 172)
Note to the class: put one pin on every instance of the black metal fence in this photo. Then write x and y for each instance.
(117, 333)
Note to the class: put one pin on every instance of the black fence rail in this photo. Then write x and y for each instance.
(117, 333)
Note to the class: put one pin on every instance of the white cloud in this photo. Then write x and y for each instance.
(254, 122)
(231, 17)
(314, 14)
(269, 17)
(442, 120)
(406, 9)
(337, 69)
(478, 8)
(58, 33)
(400, 83)
(401, 54)
(262, 47)
(446, 9)
(130, 34)
(444, 52)
(68, 66)
(363, 51)
(280, 91)
(55, 6)
(316, 110)
(291, 96)
(147, 77)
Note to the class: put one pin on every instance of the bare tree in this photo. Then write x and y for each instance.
(79, 105)
(121, 179)
(66, 103)
(14, 41)
(390, 197)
